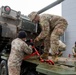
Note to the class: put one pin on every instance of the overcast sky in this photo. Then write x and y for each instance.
(27, 6)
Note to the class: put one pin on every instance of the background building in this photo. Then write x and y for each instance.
(69, 12)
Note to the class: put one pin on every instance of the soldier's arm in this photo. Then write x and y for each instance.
(27, 49)
(45, 29)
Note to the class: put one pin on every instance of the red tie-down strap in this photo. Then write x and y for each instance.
(37, 53)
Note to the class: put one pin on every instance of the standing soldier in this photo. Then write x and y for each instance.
(74, 50)
(18, 48)
(53, 27)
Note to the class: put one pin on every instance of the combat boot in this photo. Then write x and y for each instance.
(44, 55)
(55, 58)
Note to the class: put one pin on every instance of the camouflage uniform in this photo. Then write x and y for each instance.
(16, 56)
(52, 28)
(74, 51)
(62, 46)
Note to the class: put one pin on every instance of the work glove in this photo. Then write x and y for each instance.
(36, 40)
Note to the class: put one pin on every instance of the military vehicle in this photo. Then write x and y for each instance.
(11, 22)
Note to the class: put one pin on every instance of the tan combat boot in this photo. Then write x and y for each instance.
(55, 58)
(44, 55)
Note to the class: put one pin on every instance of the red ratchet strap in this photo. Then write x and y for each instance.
(37, 53)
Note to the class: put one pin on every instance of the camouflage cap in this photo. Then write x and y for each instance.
(32, 15)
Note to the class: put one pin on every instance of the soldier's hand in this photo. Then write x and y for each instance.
(30, 46)
(36, 40)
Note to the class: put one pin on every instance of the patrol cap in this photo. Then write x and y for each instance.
(32, 15)
(22, 34)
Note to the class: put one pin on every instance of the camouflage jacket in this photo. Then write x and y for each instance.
(48, 23)
(73, 49)
(18, 48)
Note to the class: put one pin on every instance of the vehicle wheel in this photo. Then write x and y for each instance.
(3, 67)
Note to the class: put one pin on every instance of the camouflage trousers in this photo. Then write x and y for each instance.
(52, 40)
(13, 70)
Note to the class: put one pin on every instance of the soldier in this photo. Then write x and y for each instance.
(53, 27)
(18, 48)
(74, 50)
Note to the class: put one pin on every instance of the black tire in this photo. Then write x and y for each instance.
(3, 67)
